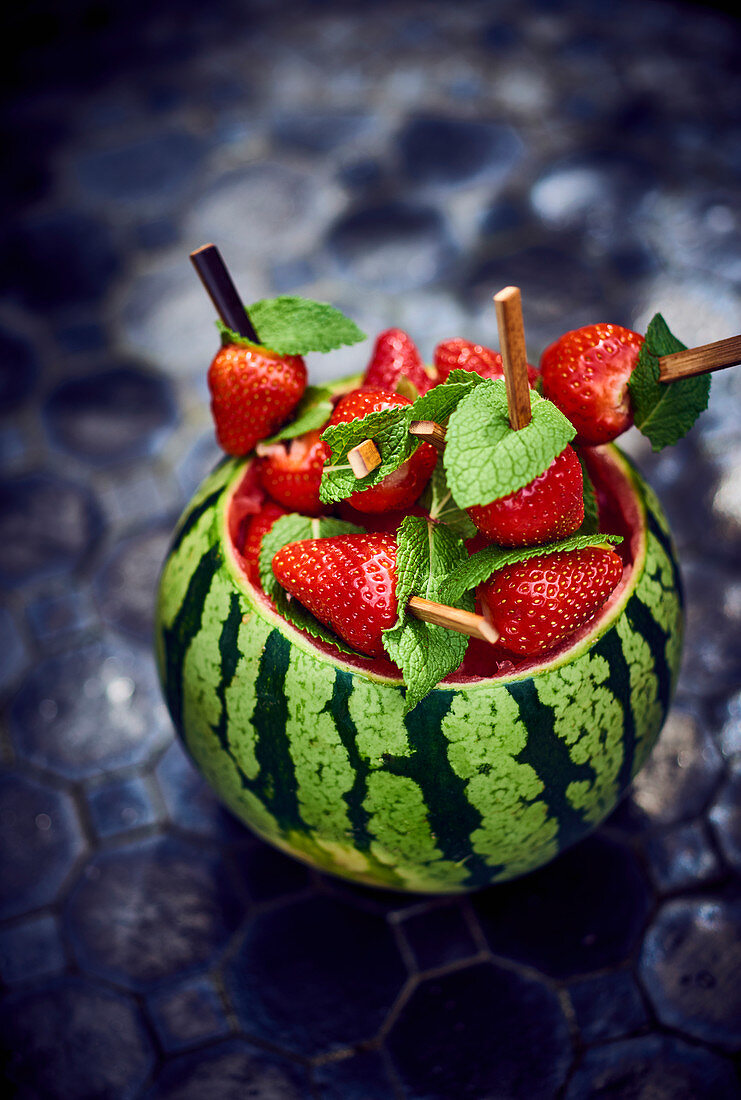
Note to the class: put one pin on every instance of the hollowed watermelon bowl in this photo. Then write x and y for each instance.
(487, 778)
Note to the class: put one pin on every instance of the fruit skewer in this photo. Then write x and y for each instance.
(218, 284)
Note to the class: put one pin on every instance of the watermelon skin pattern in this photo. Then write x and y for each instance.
(479, 784)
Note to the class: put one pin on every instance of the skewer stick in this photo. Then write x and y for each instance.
(213, 273)
(430, 432)
(708, 357)
(463, 622)
(364, 459)
(508, 304)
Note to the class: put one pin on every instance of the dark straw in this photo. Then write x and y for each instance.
(213, 273)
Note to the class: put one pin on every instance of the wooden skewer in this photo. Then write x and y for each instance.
(213, 273)
(708, 357)
(463, 622)
(508, 304)
(430, 432)
(364, 459)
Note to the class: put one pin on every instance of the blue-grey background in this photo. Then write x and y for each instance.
(403, 160)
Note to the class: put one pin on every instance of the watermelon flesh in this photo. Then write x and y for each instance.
(499, 769)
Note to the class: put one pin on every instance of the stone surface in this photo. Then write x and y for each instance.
(75, 1038)
(481, 1031)
(40, 842)
(691, 968)
(88, 710)
(143, 913)
(653, 1068)
(315, 976)
(582, 912)
(230, 1071)
(48, 525)
(402, 161)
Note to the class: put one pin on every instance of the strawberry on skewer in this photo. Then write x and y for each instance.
(459, 354)
(396, 360)
(253, 389)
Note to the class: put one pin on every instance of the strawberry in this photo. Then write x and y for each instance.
(463, 355)
(253, 391)
(401, 488)
(536, 603)
(549, 507)
(291, 473)
(585, 373)
(257, 528)
(348, 582)
(395, 359)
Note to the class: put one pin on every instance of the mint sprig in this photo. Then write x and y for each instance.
(479, 567)
(388, 428)
(425, 653)
(291, 325)
(312, 412)
(437, 499)
(664, 411)
(295, 528)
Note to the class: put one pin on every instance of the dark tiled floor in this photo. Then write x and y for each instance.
(402, 160)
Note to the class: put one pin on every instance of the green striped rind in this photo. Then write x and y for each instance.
(479, 783)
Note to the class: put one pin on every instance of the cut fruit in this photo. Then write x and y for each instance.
(490, 776)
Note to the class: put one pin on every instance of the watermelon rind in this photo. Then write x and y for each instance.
(483, 781)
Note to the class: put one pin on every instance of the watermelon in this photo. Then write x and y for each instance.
(486, 779)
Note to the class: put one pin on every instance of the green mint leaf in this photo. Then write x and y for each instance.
(439, 402)
(229, 336)
(389, 430)
(312, 412)
(664, 411)
(590, 525)
(425, 653)
(485, 458)
(480, 566)
(437, 499)
(295, 528)
(294, 326)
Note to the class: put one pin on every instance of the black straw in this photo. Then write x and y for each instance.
(213, 273)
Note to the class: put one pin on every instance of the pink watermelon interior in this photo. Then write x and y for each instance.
(619, 513)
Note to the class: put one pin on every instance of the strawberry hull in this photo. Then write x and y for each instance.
(486, 779)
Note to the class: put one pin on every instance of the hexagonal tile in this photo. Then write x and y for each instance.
(89, 710)
(40, 840)
(607, 1006)
(143, 913)
(680, 774)
(690, 967)
(315, 976)
(481, 1031)
(188, 1014)
(232, 1070)
(725, 818)
(582, 912)
(75, 1038)
(656, 1067)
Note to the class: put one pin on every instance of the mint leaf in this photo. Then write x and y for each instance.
(590, 524)
(439, 402)
(312, 412)
(437, 499)
(425, 653)
(664, 411)
(485, 458)
(389, 430)
(295, 326)
(480, 566)
(295, 528)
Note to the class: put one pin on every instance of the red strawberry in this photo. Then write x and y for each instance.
(549, 507)
(253, 391)
(585, 372)
(401, 488)
(348, 582)
(463, 355)
(257, 528)
(291, 474)
(535, 604)
(394, 358)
